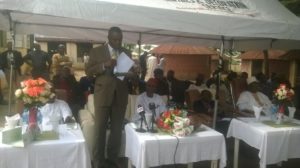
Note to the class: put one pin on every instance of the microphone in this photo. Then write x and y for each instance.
(152, 107)
(140, 110)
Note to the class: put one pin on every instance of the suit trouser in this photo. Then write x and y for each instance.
(115, 114)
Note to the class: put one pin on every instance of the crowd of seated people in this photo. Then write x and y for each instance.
(234, 91)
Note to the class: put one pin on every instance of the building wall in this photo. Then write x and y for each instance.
(246, 66)
(71, 49)
(280, 67)
(187, 67)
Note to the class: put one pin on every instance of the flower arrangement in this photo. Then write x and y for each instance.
(34, 92)
(175, 122)
(283, 96)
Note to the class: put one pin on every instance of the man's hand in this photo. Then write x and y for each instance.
(69, 119)
(110, 63)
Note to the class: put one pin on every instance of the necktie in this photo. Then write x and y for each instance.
(114, 54)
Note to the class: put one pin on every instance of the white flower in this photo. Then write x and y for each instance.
(22, 84)
(24, 90)
(178, 125)
(18, 93)
(179, 132)
(48, 86)
(52, 95)
(45, 93)
(43, 100)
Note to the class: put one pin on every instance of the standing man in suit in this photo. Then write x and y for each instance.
(110, 98)
(8, 58)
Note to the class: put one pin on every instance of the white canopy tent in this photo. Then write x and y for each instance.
(243, 24)
(238, 24)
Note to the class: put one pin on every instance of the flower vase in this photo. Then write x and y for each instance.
(33, 122)
(280, 114)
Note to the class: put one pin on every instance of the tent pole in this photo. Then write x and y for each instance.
(12, 33)
(218, 71)
(139, 43)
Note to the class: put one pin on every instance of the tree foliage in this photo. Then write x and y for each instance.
(292, 5)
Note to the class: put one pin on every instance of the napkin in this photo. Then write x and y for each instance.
(292, 111)
(257, 111)
(12, 121)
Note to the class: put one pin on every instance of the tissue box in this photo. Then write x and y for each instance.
(10, 136)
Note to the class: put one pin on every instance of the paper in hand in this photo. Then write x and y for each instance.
(124, 63)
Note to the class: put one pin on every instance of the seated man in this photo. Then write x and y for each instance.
(56, 111)
(252, 97)
(135, 85)
(162, 87)
(67, 81)
(205, 104)
(204, 108)
(149, 96)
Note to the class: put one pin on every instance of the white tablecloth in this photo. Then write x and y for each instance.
(274, 144)
(70, 151)
(148, 149)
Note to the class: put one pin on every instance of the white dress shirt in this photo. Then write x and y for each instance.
(144, 101)
(246, 101)
(57, 111)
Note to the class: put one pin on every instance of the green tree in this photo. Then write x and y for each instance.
(292, 5)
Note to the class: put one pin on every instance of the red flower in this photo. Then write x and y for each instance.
(160, 122)
(35, 91)
(167, 114)
(166, 126)
(176, 112)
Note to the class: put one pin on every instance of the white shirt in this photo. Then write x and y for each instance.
(57, 111)
(144, 101)
(86, 58)
(246, 101)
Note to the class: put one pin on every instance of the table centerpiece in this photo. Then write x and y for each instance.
(283, 98)
(33, 93)
(175, 122)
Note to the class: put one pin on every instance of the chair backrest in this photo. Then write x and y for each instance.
(90, 104)
(190, 97)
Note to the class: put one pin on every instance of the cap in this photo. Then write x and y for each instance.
(251, 80)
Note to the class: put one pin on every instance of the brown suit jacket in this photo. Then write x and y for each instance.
(108, 88)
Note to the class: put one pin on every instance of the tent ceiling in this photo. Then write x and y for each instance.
(157, 21)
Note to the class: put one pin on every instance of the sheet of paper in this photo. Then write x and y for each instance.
(124, 63)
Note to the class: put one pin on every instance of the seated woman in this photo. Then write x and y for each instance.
(148, 97)
(252, 97)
